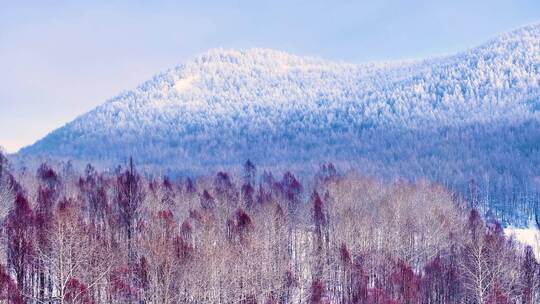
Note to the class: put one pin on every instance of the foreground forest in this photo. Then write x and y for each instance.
(120, 237)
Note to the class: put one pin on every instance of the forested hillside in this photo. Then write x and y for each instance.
(455, 119)
(118, 237)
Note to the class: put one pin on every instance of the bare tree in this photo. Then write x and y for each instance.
(130, 195)
(72, 258)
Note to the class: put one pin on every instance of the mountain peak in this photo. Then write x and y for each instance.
(523, 38)
(228, 55)
(531, 31)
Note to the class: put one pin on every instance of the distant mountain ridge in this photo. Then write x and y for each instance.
(278, 109)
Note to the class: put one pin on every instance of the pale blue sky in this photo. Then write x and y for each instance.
(59, 59)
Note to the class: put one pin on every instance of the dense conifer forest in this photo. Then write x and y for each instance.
(449, 119)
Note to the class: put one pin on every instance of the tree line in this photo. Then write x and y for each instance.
(252, 237)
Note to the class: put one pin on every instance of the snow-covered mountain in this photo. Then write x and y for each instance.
(454, 117)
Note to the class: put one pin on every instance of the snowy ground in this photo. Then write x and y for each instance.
(526, 236)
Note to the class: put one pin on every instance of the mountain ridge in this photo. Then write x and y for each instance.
(226, 106)
(517, 34)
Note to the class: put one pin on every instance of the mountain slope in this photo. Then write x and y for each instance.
(443, 118)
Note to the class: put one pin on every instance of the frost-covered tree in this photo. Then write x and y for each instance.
(449, 119)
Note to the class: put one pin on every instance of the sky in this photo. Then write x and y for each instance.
(60, 59)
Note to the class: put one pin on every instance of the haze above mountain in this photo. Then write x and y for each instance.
(471, 115)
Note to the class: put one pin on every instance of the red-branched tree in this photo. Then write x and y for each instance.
(207, 201)
(497, 295)
(9, 293)
(529, 279)
(239, 228)
(318, 293)
(93, 189)
(406, 284)
(43, 220)
(130, 195)
(76, 292)
(358, 282)
(48, 176)
(20, 245)
(225, 189)
(440, 283)
(247, 195)
(320, 221)
(292, 189)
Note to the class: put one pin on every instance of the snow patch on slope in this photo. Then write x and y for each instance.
(184, 84)
(529, 236)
